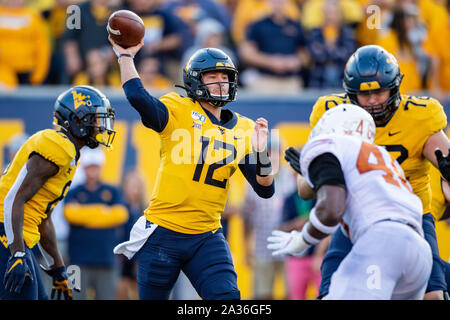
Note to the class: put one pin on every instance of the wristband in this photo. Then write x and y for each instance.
(124, 55)
(263, 164)
(309, 239)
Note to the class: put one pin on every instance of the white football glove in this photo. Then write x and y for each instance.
(287, 243)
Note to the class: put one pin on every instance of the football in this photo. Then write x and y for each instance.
(126, 28)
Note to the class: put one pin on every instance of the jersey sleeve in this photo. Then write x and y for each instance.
(176, 106)
(153, 113)
(437, 119)
(317, 111)
(54, 147)
(315, 148)
(323, 104)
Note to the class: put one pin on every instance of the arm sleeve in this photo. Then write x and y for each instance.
(154, 113)
(326, 169)
(248, 169)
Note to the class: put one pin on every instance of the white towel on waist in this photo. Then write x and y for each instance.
(139, 234)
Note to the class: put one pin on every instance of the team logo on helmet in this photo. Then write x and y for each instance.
(79, 99)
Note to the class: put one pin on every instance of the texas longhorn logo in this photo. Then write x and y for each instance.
(78, 99)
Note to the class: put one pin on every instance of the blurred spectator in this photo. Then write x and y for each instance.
(135, 199)
(56, 17)
(249, 11)
(313, 13)
(8, 78)
(437, 46)
(94, 16)
(405, 41)
(301, 272)
(164, 33)
(330, 47)
(24, 44)
(275, 48)
(149, 69)
(210, 34)
(261, 216)
(193, 11)
(432, 12)
(95, 213)
(99, 72)
(231, 5)
(15, 143)
(375, 23)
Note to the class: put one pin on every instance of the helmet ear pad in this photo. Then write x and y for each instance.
(72, 124)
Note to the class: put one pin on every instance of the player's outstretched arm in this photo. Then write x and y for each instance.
(57, 269)
(259, 142)
(323, 220)
(256, 166)
(304, 190)
(153, 112)
(36, 172)
(127, 68)
(326, 175)
(49, 243)
(436, 150)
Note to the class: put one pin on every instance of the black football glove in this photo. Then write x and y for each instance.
(443, 163)
(292, 156)
(18, 270)
(60, 284)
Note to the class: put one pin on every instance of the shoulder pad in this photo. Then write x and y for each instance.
(426, 109)
(54, 146)
(324, 103)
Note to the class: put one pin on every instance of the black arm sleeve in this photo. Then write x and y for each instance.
(326, 169)
(154, 113)
(248, 169)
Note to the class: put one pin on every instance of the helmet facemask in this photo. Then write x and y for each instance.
(86, 114)
(100, 128)
(207, 60)
(224, 96)
(384, 111)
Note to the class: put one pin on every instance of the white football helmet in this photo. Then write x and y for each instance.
(346, 119)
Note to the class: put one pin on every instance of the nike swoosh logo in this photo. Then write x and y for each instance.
(18, 261)
(236, 138)
(393, 134)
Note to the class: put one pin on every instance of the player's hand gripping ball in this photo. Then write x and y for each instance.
(126, 28)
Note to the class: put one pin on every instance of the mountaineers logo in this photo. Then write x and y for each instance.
(4, 240)
(79, 99)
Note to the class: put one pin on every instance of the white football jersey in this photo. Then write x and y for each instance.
(376, 185)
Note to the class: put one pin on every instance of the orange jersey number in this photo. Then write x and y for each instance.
(364, 165)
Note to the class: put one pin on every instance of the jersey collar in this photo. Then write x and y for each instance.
(228, 118)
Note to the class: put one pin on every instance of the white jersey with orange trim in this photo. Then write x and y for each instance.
(376, 186)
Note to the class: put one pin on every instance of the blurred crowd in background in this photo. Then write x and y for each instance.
(279, 46)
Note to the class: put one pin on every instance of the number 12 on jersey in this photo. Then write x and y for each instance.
(214, 166)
